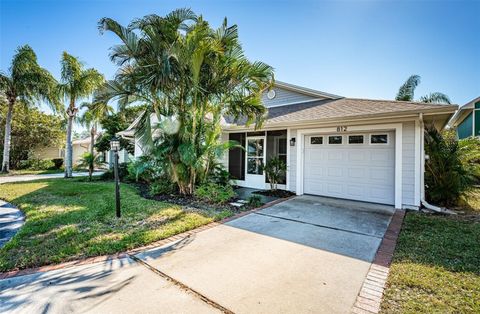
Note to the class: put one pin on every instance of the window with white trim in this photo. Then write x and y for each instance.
(355, 139)
(335, 139)
(379, 139)
(316, 140)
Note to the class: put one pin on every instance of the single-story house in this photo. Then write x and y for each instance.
(357, 149)
(49, 152)
(466, 120)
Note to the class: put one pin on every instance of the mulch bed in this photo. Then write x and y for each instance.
(276, 193)
(186, 201)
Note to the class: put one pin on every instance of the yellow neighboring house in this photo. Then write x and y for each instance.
(79, 147)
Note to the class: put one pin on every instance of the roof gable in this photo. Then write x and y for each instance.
(288, 94)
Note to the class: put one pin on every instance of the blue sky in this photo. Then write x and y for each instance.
(352, 48)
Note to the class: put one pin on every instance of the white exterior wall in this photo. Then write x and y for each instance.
(138, 148)
(408, 164)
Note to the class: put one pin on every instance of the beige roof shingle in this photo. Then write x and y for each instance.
(346, 108)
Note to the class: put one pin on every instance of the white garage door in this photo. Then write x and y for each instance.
(351, 166)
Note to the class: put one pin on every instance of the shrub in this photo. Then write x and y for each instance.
(470, 156)
(57, 162)
(274, 169)
(446, 177)
(162, 186)
(143, 169)
(219, 175)
(254, 201)
(36, 164)
(122, 172)
(214, 193)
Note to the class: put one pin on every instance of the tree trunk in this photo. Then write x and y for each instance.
(91, 166)
(71, 111)
(8, 137)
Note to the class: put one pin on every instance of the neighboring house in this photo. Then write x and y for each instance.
(48, 153)
(80, 147)
(466, 120)
(358, 149)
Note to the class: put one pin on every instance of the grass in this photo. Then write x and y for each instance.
(436, 265)
(72, 219)
(471, 200)
(27, 172)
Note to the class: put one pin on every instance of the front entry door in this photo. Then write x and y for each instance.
(255, 176)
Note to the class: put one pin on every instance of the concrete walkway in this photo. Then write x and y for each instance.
(305, 255)
(31, 177)
(11, 219)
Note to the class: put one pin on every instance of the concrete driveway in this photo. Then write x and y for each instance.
(305, 255)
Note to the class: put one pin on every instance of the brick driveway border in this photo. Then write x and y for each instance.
(370, 296)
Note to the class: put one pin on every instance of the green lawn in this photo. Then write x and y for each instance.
(27, 171)
(436, 266)
(71, 219)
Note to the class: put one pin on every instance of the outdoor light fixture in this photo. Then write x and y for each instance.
(292, 141)
(115, 144)
(115, 147)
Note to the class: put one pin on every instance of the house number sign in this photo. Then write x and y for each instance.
(342, 128)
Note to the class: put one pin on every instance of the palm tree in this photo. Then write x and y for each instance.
(76, 83)
(96, 111)
(407, 92)
(26, 84)
(189, 75)
(90, 160)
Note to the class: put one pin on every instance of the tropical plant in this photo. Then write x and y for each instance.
(164, 186)
(274, 169)
(90, 161)
(254, 201)
(77, 83)
(470, 155)
(143, 169)
(214, 193)
(446, 176)
(188, 76)
(26, 84)
(407, 92)
(95, 112)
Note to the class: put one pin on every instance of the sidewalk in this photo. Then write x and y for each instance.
(31, 177)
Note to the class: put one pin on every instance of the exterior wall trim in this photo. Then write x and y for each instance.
(397, 127)
(287, 175)
(417, 191)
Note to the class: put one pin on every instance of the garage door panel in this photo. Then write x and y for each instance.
(353, 171)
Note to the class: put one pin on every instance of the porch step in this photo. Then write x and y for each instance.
(237, 204)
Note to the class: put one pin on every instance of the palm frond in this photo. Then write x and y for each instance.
(435, 98)
(407, 90)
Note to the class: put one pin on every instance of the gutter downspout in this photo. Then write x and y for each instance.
(422, 174)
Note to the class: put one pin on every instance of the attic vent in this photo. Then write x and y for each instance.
(271, 94)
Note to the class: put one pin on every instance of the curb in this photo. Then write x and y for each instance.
(370, 296)
(103, 258)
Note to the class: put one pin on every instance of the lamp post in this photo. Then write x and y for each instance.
(115, 147)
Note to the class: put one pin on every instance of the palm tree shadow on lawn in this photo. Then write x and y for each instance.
(71, 220)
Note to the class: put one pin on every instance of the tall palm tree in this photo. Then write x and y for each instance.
(189, 75)
(26, 84)
(76, 83)
(95, 112)
(406, 92)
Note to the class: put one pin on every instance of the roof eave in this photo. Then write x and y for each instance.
(370, 117)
